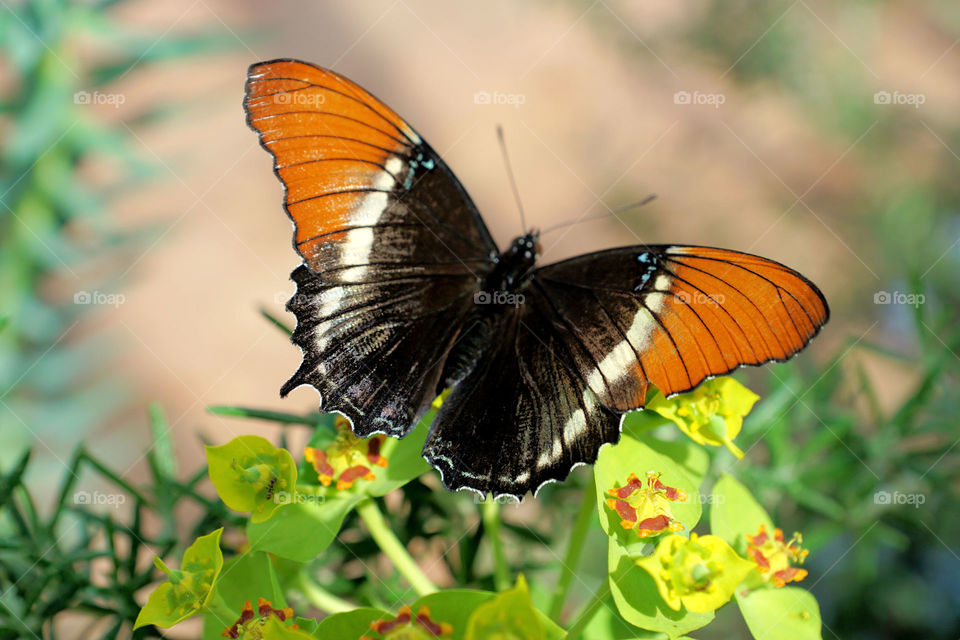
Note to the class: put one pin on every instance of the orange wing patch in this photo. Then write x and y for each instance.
(717, 309)
(338, 150)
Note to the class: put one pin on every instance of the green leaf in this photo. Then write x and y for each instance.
(636, 423)
(311, 420)
(693, 458)
(606, 624)
(189, 589)
(351, 624)
(630, 455)
(162, 450)
(735, 513)
(250, 474)
(301, 531)
(638, 600)
(510, 614)
(788, 613)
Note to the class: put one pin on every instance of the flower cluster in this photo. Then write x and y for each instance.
(348, 458)
(712, 414)
(249, 625)
(699, 572)
(775, 556)
(646, 509)
(406, 626)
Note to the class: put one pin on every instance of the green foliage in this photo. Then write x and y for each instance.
(735, 514)
(86, 559)
(189, 589)
(52, 222)
(781, 614)
(249, 472)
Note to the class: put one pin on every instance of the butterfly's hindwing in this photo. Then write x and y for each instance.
(521, 416)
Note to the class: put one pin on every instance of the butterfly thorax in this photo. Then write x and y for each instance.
(512, 269)
(500, 291)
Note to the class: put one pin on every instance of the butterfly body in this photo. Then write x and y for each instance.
(403, 293)
(513, 269)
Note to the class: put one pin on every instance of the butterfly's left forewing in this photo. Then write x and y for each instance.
(392, 245)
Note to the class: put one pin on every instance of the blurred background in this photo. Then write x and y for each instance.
(141, 228)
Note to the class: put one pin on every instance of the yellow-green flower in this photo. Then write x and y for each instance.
(189, 589)
(775, 556)
(249, 473)
(646, 510)
(407, 626)
(699, 573)
(348, 458)
(710, 414)
(249, 626)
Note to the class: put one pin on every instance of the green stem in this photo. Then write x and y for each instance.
(320, 597)
(585, 517)
(591, 608)
(393, 548)
(490, 512)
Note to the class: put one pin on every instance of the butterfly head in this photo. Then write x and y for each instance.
(527, 246)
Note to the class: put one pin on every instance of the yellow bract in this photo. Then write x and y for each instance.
(699, 573)
(712, 414)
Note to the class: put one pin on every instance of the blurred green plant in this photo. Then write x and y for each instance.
(60, 58)
(91, 556)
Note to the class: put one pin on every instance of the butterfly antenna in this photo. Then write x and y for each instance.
(513, 182)
(606, 214)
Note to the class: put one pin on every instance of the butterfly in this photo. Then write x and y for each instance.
(403, 293)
